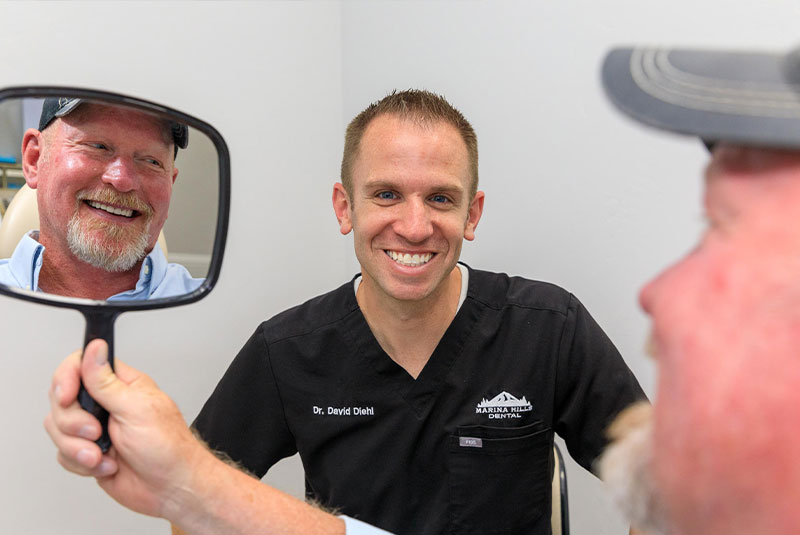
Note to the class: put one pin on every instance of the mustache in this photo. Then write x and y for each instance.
(638, 416)
(128, 200)
(651, 347)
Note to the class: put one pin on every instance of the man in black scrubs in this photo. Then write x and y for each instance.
(422, 395)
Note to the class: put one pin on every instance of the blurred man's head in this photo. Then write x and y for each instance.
(726, 319)
(103, 175)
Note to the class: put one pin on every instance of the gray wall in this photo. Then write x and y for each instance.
(11, 130)
(575, 194)
(189, 230)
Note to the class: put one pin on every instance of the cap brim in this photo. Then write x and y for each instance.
(743, 98)
(180, 135)
(68, 107)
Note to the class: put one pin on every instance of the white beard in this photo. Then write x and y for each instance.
(625, 468)
(99, 253)
(94, 253)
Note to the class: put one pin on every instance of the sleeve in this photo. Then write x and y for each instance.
(244, 417)
(356, 527)
(593, 384)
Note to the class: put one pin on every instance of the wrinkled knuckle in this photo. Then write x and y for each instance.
(145, 382)
(55, 417)
(105, 382)
(66, 463)
(51, 429)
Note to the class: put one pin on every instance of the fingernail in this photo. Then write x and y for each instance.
(85, 457)
(57, 393)
(87, 431)
(101, 357)
(106, 467)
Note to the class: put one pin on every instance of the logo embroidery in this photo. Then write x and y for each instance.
(503, 405)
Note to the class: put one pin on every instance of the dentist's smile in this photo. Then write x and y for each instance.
(411, 260)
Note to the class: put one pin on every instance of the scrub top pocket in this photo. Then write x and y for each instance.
(500, 480)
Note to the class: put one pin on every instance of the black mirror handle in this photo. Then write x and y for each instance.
(99, 324)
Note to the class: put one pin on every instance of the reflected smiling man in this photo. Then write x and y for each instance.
(103, 175)
(718, 455)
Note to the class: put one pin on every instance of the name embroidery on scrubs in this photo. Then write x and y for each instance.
(343, 411)
(503, 405)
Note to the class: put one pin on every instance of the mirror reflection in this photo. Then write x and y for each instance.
(104, 201)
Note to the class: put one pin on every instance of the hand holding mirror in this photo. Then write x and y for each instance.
(116, 204)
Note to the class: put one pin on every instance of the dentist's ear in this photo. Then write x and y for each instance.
(474, 215)
(341, 206)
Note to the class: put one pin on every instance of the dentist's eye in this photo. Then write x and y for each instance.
(386, 195)
(440, 199)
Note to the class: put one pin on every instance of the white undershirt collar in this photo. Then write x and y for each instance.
(464, 284)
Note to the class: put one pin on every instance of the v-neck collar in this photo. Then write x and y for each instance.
(372, 360)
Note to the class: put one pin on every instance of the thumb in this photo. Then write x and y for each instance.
(99, 379)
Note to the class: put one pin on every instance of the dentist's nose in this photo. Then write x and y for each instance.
(122, 175)
(414, 223)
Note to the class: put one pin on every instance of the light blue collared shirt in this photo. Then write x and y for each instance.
(357, 527)
(157, 277)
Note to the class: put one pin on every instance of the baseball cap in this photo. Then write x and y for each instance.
(53, 108)
(750, 98)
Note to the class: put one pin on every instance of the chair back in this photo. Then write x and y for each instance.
(21, 216)
(559, 514)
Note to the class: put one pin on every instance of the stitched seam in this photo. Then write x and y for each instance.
(277, 387)
(308, 331)
(517, 305)
(656, 76)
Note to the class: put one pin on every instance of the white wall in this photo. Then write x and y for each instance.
(576, 194)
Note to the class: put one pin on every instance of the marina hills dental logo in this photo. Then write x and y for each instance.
(503, 406)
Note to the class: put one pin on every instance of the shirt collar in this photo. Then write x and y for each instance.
(152, 272)
(26, 263)
(464, 284)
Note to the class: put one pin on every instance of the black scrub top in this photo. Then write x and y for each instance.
(464, 448)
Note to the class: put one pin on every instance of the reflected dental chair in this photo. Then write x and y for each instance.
(21, 216)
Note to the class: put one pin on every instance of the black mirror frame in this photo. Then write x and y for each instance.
(113, 308)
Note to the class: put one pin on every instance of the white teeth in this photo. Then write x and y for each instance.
(410, 260)
(110, 209)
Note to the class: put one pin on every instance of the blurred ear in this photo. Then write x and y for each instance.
(341, 205)
(474, 215)
(32, 149)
